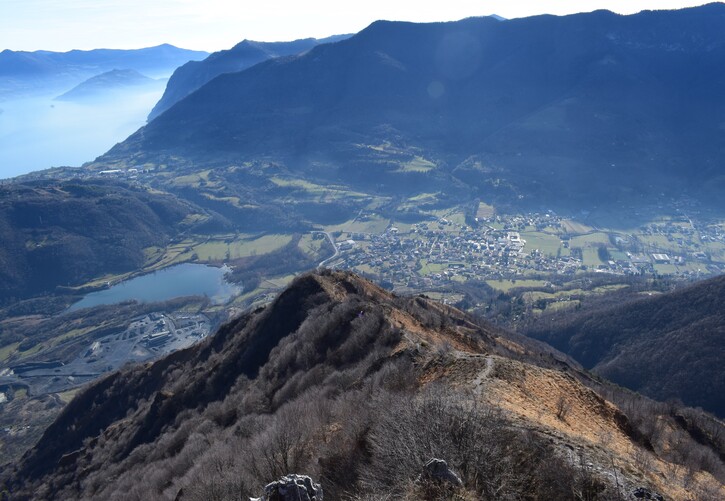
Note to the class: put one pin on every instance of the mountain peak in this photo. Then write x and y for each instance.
(101, 85)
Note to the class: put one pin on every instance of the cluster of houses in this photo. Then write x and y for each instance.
(435, 252)
(432, 253)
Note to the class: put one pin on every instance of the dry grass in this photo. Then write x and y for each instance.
(555, 404)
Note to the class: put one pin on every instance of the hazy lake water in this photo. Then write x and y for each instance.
(177, 281)
(38, 132)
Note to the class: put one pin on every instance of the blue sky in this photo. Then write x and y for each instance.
(218, 24)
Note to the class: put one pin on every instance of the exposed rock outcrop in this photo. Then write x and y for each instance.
(438, 471)
(645, 493)
(292, 488)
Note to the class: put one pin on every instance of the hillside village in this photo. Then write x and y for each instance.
(533, 244)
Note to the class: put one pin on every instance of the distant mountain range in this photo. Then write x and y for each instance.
(101, 85)
(569, 111)
(27, 72)
(192, 75)
(669, 346)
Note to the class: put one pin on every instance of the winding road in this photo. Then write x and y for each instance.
(332, 242)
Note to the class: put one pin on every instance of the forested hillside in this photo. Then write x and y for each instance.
(670, 346)
(64, 233)
(359, 388)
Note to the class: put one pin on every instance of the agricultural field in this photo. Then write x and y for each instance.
(431, 268)
(590, 257)
(311, 244)
(575, 227)
(590, 240)
(454, 215)
(238, 247)
(418, 164)
(485, 211)
(366, 224)
(508, 285)
(544, 242)
(319, 192)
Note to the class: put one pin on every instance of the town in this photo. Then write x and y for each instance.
(429, 254)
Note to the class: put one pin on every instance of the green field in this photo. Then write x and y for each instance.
(589, 240)
(547, 244)
(658, 242)
(448, 297)
(562, 305)
(575, 227)
(485, 211)
(265, 292)
(402, 227)
(326, 192)
(507, 285)
(590, 257)
(666, 269)
(418, 164)
(364, 268)
(8, 350)
(371, 224)
(455, 216)
(431, 268)
(602, 289)
(195, 180)
(716, 250)
(217, 250)
(423, 198)
(533, 296)
(277, 282)
(311, 246)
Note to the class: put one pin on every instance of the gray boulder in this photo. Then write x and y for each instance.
(292, 488)
(645, 493)
(438, 470)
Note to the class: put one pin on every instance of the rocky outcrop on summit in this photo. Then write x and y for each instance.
(292, 488)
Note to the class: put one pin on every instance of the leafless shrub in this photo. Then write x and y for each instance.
(642, 459)
(218, 477)
(493, 460)
(563, 406)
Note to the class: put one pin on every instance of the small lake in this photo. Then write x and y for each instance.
(177, 281)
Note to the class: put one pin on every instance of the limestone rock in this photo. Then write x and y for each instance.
(292, 488)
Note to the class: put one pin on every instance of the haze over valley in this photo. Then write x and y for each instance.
(37, 133)
(43, 126)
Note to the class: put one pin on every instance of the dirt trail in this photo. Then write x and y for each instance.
(483, 375)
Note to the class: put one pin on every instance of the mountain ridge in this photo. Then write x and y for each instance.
(27, 72)
(313, 381)
(107, 82)
(544, 104)
(192, 75)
